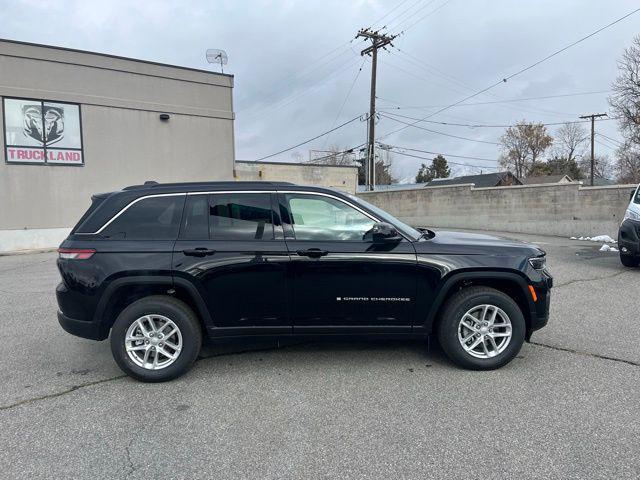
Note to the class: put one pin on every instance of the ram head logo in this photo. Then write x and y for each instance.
(43, 124)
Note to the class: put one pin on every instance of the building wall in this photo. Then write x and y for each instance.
(124, 140)
(340, 177)
(557, 209)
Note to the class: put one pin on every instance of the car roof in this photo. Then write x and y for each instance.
(113, 202)
(151, 188)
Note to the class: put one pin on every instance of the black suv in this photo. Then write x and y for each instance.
(160, 266)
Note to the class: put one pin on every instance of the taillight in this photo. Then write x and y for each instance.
(76, 253)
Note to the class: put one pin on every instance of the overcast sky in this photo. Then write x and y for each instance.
(294, 63)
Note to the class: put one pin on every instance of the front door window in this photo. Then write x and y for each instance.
(319, 218)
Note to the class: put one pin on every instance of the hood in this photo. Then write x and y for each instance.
(475, 244)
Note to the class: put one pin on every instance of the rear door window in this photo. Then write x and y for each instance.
(153, 218)
(240, 216)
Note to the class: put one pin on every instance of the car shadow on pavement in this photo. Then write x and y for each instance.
(429, 350)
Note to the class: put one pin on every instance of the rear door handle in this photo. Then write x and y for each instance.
(312, 253)
(198, 252)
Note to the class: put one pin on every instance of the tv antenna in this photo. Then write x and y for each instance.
(217, 56)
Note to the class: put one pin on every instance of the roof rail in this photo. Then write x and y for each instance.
(154, 184)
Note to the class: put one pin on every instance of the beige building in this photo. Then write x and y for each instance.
(341, 177)
(75, 123)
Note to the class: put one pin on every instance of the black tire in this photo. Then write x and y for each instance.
(454, 310)
(628, 260)
(180, 314)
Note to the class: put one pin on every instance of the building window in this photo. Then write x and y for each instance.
(42, 132)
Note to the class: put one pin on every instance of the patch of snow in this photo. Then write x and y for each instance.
(608, 248)
(597, 238)
(603, 238)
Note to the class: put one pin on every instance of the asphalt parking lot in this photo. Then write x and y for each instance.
(567, 407)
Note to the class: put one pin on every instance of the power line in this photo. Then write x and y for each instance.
(448, 154)
(449, 162)
(506, 100)
(424, 16)
(570, 45)
(480, 125)
(345, 99)
(439, 133)
(613, 140)
(450, 78)
(505, 79)
(390, 22)
(389, 12)
(311, 139)
(607, 145)
(295, 95)
(456, 89)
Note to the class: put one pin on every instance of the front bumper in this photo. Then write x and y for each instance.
(629, 238)
(540, 309)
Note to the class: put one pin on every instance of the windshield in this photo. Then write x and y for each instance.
(637, 196)
(408, 230)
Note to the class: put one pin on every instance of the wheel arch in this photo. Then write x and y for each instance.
(123, 291)
(513, 284)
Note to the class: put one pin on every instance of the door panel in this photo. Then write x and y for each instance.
(354, 287)
(241, 269)
(340, 282)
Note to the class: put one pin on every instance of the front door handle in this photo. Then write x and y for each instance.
(198, 252)
(312, 253)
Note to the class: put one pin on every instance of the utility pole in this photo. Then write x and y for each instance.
(378, 40)
(593, 136)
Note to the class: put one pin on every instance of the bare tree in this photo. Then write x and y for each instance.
(523, 146)
(625, 100)
(569, 142)
(628, 163)
(603, 167)
(625, 103)
(335, 156)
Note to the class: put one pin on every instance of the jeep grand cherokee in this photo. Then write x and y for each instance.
(157, 267)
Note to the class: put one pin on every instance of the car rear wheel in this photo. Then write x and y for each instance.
(156, 339)
(628, 260)
(481, 328)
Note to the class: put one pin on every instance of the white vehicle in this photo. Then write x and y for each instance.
(629, 233)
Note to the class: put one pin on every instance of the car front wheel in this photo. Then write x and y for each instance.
(156, 339)
(481, 328)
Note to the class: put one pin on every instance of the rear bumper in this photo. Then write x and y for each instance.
(629, 238)
(82, 328)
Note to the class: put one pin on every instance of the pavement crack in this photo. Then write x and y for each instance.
(586, 280)
(61, 393)
(588, 354)
(132, 467)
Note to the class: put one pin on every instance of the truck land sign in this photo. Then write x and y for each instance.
(42, 132)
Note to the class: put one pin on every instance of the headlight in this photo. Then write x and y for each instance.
(538, 262)
(631, 214)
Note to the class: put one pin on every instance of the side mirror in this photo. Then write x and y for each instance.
(383, 232)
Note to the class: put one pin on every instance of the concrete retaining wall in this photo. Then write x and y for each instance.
(558, 209)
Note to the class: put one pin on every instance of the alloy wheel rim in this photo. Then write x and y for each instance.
(153, 342)
(485, 331)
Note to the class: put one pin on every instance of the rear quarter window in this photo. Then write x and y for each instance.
(154, 218)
